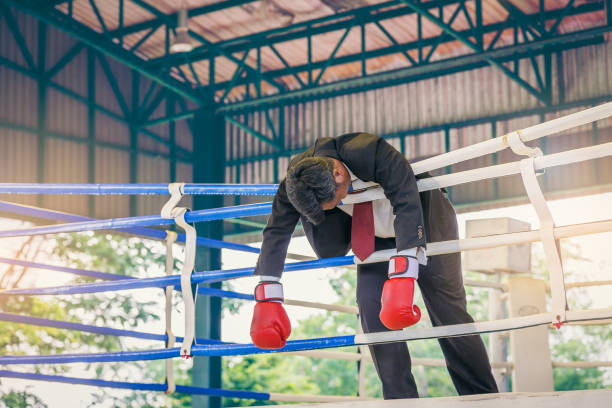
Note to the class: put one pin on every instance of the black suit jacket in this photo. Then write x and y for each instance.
(370, 158)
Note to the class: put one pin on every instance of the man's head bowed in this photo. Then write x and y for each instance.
(309, 183)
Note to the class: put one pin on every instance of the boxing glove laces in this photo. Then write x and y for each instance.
(270, 326)
(398, 309)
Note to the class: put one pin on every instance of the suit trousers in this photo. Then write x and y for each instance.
(441, 285)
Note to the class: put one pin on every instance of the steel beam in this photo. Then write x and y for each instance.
(114, 86)
(465, 40)
(254, 132)
(415, 73)
(414, 45)
(526, 21)
(96, 11)
(91, 126)
(16, 31)
(553, 29)
(77, 139)
(208, 44)
(134, 148)
(439, 127)
(329, 60)
(335, 22)
(169, 118)
(194, 12)
(42, 107)
(389, 78)
(101, 43)
(144, 38)
(305, 29)
(65, 60)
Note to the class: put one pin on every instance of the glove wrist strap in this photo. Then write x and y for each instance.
(269, 291)
(401, 266)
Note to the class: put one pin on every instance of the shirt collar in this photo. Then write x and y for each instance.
(351, 175)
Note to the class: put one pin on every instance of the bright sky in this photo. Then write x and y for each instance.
(312, 285)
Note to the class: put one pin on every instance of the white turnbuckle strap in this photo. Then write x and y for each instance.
(176, 194)
(515, 142)
(178, 214)
(547, 224)
(188, 295)
(170, 240)
(550, 244)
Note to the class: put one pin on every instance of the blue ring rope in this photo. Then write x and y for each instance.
(59, 324)
(210, 214)
(184, 389)
(144, 232)
(136, 189)
(224, 293)
(173, 280)
(231, 349)
(74, 271)
(114, 277)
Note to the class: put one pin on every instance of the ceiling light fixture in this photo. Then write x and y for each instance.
(181, 42)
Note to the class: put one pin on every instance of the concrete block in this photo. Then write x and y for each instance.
(511, 259)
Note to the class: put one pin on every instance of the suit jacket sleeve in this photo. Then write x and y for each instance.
(277, 235)
(371, 158)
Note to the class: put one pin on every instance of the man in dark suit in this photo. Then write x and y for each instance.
(356, 191)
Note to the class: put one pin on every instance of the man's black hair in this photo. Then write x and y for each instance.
(310, 182)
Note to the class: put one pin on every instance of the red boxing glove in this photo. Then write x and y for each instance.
(270, 326)
(397, 309)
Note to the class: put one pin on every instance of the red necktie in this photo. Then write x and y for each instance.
(362, 230)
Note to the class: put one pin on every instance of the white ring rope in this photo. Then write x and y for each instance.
(492, 241)
(497, 144)
(507, 169)
(466, 329)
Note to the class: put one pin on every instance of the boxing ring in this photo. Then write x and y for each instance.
(530, 162)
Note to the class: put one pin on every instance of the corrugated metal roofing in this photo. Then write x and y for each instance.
(257, 16)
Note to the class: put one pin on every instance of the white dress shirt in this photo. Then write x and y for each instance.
(362, 191)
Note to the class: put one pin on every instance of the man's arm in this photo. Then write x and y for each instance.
(371, 158)
(277, 235)
(270, 326)
(394, 174)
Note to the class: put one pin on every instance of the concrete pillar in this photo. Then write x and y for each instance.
(497, 261)
(530, 348)
(498, 345)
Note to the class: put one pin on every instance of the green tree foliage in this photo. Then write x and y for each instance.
(23, 399)
(104, 253)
